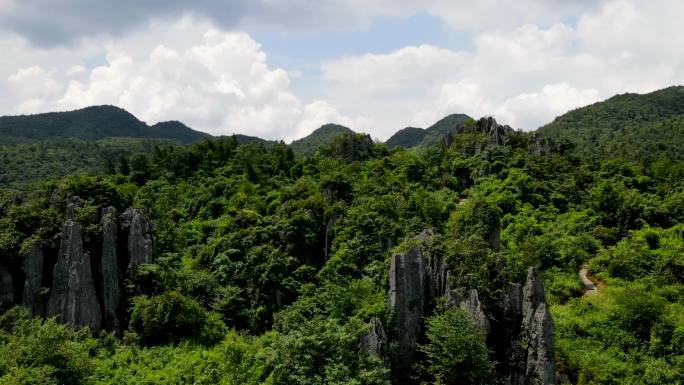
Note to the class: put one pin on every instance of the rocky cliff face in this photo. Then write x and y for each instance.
(536, 334)
(407, 303)
(85, 287)
(73, 298)
(33, 270)
(523, 334)
(140, 238)
(374, 341)
(497, 134)
(111, 276)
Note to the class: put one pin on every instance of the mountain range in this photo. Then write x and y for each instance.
(646, 124)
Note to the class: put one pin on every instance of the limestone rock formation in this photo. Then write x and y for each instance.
(540, 361)
(111, 276)
(533, 296)
(6, 288)
(540, 145)
(73, 298)
(496, 133)
(33, 270)
(474, 307)
(471, 304)
(140, 238)
(407, 302)
(374, 341)
(536, 334)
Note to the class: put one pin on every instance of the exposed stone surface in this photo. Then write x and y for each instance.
(6, 288)
(407, 302)
(474, 307)
(521, 329)
(540, 145)
(471, 304)
(140, 238)
(111, 276)
(72, 204)
(533, 296)
(435, 268)
(72, 298)
(537, 334)
(540, 361)
(329, 228)
(496, 133)
(374, 341)
(33, 270)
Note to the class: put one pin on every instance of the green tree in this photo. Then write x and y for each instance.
(456, 352)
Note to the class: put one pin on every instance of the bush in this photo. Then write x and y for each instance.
(172, 317)
(456, 352)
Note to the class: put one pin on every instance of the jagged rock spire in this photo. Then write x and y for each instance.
(111, 276)
(33, 270)
(407, 302)
(140, 238)
(72, 298)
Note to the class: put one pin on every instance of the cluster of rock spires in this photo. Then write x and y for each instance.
(87, 291)
(496, 135)
(524, 335)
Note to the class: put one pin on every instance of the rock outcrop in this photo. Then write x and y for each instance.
(111, 276)
(536, 334)
(33, 270)
(520, 328)
(472, 305)
(73, 298)
(140, 239)
(540, 145)
(374, 341)
(407, 302)
(6, 288)
(496, 133)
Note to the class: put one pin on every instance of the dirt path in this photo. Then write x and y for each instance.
(589, 286)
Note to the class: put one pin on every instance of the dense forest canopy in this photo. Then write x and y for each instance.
(250, 264)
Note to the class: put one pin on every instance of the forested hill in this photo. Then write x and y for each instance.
(413, 136)
(228, 263)
(91, 123)
(321, 137)
(633, 126)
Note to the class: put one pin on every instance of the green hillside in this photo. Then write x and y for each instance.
(321, 137)
(90, 123)
(494, 257)
(24, 163)
(627, 125)
(406, 137)
(412, 136)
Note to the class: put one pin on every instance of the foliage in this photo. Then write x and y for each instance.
(269, 267)
(456, 351)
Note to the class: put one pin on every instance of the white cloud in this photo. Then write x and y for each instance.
(529, 61)
(188, 70)
(526, 75)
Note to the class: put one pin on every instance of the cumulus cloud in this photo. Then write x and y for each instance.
(49, 22)
(187, 70)
(525, 75)
(526, 63)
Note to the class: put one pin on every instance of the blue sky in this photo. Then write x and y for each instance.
(305, 50)
(281, 69)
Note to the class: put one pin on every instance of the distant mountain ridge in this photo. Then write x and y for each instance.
(410, 137)
(630, 125)
(91, 123)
